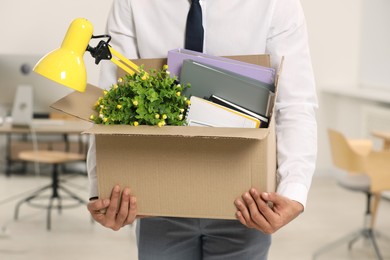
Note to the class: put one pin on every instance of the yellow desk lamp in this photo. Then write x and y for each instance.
(65, 65)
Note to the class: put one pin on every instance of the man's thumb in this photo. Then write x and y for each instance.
(271, 197)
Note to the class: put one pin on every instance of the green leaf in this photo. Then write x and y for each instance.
(141, 98)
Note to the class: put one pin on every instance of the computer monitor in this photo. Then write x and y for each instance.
(16, 70)
(22, 109)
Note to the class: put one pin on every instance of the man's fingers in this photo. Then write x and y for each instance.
(132, 210)
(97, 208)
(241, 218)
(262, 205)
(97, 205)
(254, 210)
(274, 198)
(115, 212)
(124, 207)
(256, 214)
(113, 207)
(242, 214)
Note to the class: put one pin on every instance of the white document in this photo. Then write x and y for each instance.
(205, 113)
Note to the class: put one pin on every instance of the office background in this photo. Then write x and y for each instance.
(349, 42)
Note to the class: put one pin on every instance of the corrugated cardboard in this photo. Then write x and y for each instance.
(180, 171)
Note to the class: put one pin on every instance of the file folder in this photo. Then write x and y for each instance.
(261, 73)
(207, 80)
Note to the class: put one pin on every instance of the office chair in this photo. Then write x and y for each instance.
(351, 156)
(56, 159)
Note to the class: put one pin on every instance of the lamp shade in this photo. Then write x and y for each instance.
(65, 65)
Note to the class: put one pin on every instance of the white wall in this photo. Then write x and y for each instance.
(375, 60)
(38, 26)
(334, 34)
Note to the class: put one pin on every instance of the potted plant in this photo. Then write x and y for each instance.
(153, 98)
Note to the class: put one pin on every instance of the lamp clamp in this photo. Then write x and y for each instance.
(102, 50)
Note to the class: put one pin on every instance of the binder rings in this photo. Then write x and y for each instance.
(208, 80)
(206, 113)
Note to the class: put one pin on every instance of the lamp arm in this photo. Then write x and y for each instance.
(122, 62)
(103, 51)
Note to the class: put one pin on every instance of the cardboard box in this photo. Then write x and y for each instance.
(180, 171)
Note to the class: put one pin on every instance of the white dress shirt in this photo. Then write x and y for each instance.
(149, 28)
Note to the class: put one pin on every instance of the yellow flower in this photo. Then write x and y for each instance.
(92, 117)
(120, 80)
(105, 92)
(115, 86)
(119, 106)
(178, 93)
(161, 123)
(181, 110)
(188, 102)
(165, 67)
(157, 116)
(98, 102)
(180, 117)
(144, 77)
(164, 116)
(105, 119)
(135, 102)
(135, 123)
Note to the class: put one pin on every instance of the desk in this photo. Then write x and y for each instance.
(385, 135)
(41, 127)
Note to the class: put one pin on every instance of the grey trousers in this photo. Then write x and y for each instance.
(197, 239)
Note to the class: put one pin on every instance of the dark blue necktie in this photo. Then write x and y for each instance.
(194, 28)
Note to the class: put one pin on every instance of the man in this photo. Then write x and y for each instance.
(148, 29)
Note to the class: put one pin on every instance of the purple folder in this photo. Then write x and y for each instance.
(177, 56)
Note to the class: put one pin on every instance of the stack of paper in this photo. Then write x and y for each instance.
(206, 113)
(218, 100)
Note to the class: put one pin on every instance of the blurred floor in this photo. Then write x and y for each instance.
(331, 213)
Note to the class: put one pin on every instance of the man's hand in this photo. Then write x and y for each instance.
(267, 211)
(119, 211)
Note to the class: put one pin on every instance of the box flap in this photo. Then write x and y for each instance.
(79, 104)
(184, 131)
